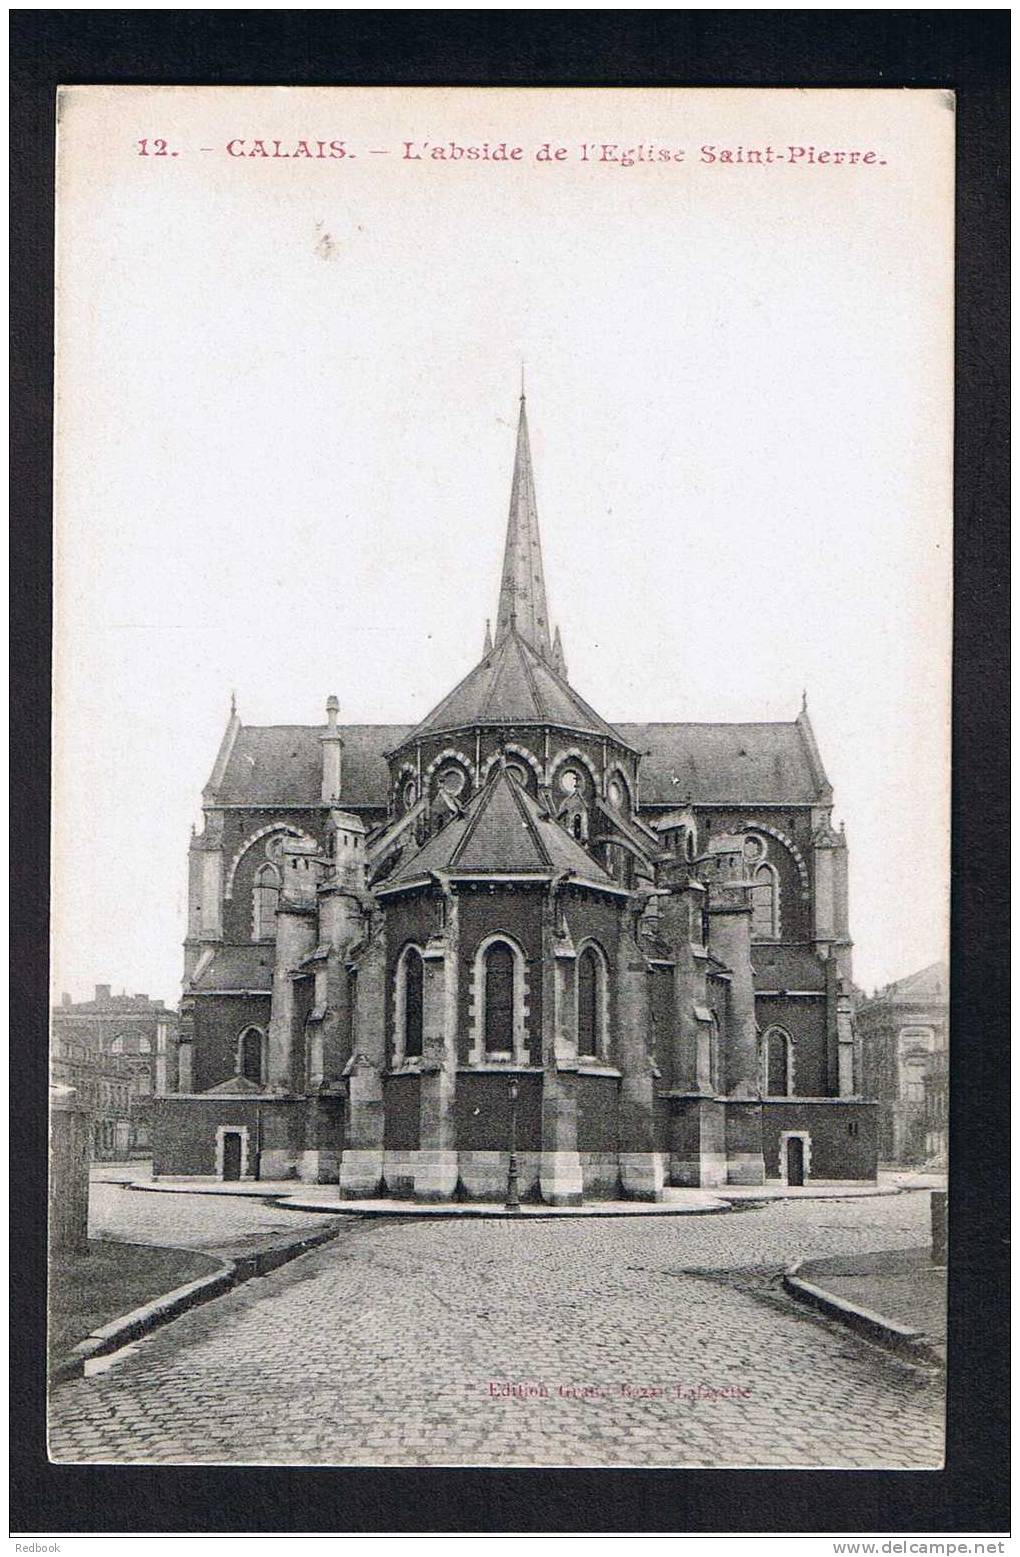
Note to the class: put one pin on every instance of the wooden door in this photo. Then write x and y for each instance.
(232, 1155)
(795, 1160)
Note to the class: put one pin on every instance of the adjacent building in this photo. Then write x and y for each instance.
(626, 942)
(117, 1051)
(905, 1034)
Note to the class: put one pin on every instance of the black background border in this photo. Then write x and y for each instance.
(964, 50)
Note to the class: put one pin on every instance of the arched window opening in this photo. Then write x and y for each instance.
(778, 1069)
(578, 826)
(764, 904)
(250, 1055)
(499, 999)
(267, 899)
(588, 994)
(414, 1003)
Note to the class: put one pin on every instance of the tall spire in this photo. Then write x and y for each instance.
(522, 601)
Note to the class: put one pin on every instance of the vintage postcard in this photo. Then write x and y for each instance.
(501, 722)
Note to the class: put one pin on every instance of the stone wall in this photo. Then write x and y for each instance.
(842, 1135)
(69, 1174)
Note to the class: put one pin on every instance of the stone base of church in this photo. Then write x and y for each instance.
(561, 1178)
(435, 1174)
(484, 1175)
(642, 1175)
(319, 1165)
(697, 1157)
(360, 1174)
(744, 1161)
(702, 1143)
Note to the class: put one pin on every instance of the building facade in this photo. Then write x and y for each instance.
(118, 1051)
(905, 1033)
(642, 926)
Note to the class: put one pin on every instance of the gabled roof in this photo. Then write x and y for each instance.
(503, 831)
(719, 764)
(513, 684)
(235, 1086)
(281, 764)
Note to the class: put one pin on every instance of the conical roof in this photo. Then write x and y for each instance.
(514, 685)
(503, 831)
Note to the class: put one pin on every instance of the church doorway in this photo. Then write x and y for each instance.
(795, 1160)
(231, 1154)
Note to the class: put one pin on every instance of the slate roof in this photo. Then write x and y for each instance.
(719, 763)
(715, 764)
(281, 764)
(503, 830)
(238, 967)
(928, 985)
(513, 684)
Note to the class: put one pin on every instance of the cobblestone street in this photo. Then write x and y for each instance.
(215, 1222)
(386, 1346)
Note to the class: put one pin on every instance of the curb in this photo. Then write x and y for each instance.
(160, 1311)
(473, 1213)
(286, 1200)
(912, 1345)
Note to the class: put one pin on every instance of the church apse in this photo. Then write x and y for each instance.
(611, 916)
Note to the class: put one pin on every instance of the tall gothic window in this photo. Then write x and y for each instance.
(267, 898)
(588, 1002)
(499, 999)
(250, 1055)
(764, 904)
(778, 1078)
(414, 992)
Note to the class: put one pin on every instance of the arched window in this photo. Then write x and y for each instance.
(414, 1002)
(778, 1063)
(117, 1046)
(267, 898)
(591, 993)
(764, 904)
(250, 1055)
(499, 999)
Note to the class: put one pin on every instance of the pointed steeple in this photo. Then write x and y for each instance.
(558, 662)
(522, 602)
(487, 650)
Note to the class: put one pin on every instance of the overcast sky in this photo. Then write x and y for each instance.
(286, 410)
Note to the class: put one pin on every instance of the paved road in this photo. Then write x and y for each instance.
(214, 1222)
(383, 1348)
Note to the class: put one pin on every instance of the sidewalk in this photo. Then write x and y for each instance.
(895, 1296)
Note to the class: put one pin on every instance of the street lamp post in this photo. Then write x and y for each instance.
(513, 1202)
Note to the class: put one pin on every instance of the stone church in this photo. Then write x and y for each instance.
(642, 926)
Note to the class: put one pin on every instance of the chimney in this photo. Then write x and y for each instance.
(332, 754)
